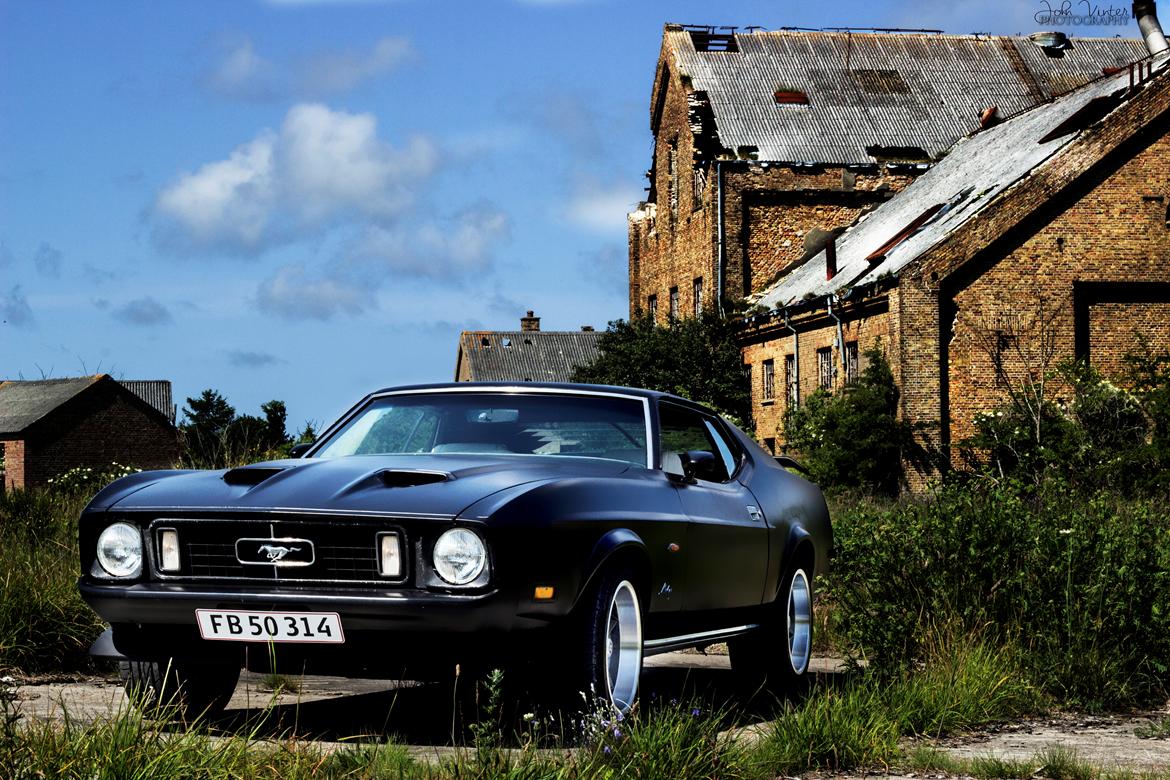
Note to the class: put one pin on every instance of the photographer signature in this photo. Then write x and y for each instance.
(1092, 14)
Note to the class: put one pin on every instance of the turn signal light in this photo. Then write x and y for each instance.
(169, 549)
(544, 592)
(389, 555)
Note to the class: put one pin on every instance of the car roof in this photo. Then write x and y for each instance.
(536, 387)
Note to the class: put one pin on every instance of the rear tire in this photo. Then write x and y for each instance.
(777, 654)
(610, 649)
(194, 690)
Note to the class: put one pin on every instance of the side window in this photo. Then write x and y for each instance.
(683, 430)
(725, 454)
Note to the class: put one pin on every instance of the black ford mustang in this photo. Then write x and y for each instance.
(483, 523)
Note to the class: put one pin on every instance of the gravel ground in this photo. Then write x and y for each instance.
(330, 709)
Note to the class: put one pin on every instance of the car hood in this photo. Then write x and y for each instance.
(440, 485)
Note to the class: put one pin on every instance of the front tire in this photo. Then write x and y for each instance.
(611, 665)
(194, 690)
(777, 654)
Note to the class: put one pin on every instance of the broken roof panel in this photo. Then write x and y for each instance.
(871, 89)
(971, 176)
(527, 355)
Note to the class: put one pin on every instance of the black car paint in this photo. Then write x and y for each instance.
(546, 520)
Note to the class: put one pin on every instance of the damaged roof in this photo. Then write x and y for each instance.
(864, 90)
(977, 171)
(526, 356)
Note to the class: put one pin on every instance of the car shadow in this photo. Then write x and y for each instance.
(437, 714)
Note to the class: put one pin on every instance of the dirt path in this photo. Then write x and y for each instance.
(329, 709)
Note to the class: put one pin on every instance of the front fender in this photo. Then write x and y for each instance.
(614, 543)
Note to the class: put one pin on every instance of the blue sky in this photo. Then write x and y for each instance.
(309, 199)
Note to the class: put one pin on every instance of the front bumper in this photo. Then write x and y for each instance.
(172, 604)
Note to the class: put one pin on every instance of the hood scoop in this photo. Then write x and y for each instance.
(250, 475)
(398, 478)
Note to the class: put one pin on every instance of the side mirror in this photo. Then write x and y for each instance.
(299, 450)
(698, 464)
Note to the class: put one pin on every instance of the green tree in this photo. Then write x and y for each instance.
(696, 358)
(275, 420)
(854, 438)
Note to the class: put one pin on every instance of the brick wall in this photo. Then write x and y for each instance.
(768, 211)
(868, 328)
(1111, 333)
(1116, 233)
(13, 464)
(103, 424)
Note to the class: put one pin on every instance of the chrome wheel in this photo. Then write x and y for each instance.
(623, 646)
(799, 622)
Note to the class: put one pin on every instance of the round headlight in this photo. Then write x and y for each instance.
(459, 556)
(119, 550)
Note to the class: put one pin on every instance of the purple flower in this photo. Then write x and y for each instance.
(695, 712)
(617, 732)
(618, 718)
(607, 750)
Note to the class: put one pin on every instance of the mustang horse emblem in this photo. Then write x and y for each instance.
(275, 552)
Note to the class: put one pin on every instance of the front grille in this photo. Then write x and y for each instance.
(345, 550)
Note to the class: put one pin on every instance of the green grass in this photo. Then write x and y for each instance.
(44, 624)
(1158, 729)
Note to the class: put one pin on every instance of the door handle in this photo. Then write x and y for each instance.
(755, 514)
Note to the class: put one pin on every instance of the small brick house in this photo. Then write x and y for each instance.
(965, 202)
(525, 355)
(50, 426)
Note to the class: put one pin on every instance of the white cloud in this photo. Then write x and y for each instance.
(322, 165)
(14, 309)
(445, 249)
(291, 293)
(240, 71)
(328, 73)
(602, 210)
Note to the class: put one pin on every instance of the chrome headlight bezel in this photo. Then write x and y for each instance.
(460, 557)
(119, 551)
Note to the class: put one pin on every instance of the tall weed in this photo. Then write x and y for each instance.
(1079, 583)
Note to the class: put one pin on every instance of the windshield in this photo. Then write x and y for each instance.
(587, 426)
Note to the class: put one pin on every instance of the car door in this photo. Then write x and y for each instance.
(727, 540)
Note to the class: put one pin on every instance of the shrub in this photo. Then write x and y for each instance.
(44, 624)
(854, 438)
(1080, 583)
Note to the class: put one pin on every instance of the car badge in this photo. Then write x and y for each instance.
(275, 552)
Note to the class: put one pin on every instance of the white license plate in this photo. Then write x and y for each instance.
(245, 626)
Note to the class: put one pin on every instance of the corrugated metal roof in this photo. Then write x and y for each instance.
(869, 89)
(526, 356)
(156, 392)
(22, 403)
(973, 174)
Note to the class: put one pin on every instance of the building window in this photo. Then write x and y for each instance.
(769, 381)
(770, 445)
(698, 288)
(791, 388)
(652, 307)
(672, 168)
(698, 187)
(851, 361)
(673, 304)
(747, 375)
(1004, 343)
(825, 368)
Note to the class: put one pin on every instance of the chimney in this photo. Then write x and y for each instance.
(1146, 13)
(831, 259)
(586, 328)
(531, 322)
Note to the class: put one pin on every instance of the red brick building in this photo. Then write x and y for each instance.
(946, 197)
(50, 426)
(526, 355)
